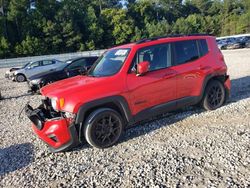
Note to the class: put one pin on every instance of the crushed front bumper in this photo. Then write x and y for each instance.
(58, 132)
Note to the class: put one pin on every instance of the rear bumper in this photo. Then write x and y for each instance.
(58, 133)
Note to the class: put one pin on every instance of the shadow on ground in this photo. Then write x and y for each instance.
(240, 89)
(15, 157)
(16, 97)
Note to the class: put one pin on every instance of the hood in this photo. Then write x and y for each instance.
(78, 90)
(21, 70)
(14, 69)
(70, 85)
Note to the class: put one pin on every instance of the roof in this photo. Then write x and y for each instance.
(130, 45)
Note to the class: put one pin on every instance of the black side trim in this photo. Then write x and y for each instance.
(166, 107)
(119, 101)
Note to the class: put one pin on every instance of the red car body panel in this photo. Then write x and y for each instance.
(55, 128)
(140, 92)
(184, 80)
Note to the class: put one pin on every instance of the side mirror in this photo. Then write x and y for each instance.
(142, 68)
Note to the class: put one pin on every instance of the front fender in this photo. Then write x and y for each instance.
(119, 101)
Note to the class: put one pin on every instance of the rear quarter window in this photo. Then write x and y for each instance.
(203, 47)
(186, 51)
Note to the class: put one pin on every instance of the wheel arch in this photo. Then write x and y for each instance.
(221, 78)
(22, 75)
(117, 103)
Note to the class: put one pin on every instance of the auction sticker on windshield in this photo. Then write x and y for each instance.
(122, 52)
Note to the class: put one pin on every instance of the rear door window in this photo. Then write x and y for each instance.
(186, 51)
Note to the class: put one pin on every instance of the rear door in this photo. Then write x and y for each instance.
(158, 86)
(48, 65)
(189, 58)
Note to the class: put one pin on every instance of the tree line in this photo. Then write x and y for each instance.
(37, 27)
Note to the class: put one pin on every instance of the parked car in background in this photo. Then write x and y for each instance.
(235, 43)
(32, 68)
(247, 44)
(222, 44)
(128, 84)
(244, 39)
(72, 67)
(9, 73)
(231, 43)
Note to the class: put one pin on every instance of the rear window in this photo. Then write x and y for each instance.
(186, 51)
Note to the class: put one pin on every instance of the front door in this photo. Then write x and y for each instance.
(158, 86)
(33, 68)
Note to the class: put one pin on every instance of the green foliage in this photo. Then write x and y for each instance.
(69, 26)
(157, 28)
(29, 46)
(120, 23)
(4, 48)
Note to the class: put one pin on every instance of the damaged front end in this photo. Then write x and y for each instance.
(55, 128)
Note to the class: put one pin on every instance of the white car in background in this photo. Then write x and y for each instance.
(33, 68)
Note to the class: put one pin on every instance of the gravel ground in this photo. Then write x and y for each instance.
(189, 148)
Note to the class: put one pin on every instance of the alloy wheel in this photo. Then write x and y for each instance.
(107, 129)
(215, 96)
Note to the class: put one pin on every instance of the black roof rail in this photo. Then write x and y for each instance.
(170, 36)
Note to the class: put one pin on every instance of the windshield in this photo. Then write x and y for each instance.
(109, 63)
(25, 65)
(64, 64)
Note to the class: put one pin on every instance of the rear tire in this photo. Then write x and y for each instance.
(103, 128)
(20, 78)
(214, 96)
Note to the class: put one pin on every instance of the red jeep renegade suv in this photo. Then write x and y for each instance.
(130, 83)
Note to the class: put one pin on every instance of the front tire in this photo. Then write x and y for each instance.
(214, 96)
(20, 78)
(103, 128)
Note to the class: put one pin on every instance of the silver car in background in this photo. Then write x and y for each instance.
(33, 68)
